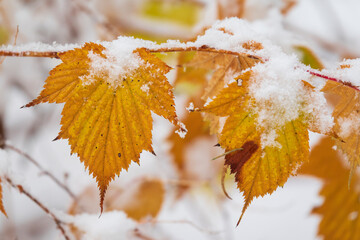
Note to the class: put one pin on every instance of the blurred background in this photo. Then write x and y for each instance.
(181, 185)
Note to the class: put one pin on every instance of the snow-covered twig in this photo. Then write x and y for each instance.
(43, 171)
(57, 221)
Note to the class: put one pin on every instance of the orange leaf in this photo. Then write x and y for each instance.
(259, 168)
(347, 125)
(142, 199)
(340, 211)
(226, 68)
(108, 122)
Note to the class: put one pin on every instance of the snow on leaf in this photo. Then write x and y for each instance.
(107, 120)
(340, 211)
(2, 209)
(269, 154)
(346, 117)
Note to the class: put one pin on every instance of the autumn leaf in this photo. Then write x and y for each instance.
(259, 166)
(2, 209)
(106, 118)
(227, 67)
(309, 58)
(340, 211)
(141, 199)
(346, 116)
(196, 129)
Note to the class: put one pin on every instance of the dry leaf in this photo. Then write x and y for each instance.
(340, 211)
(258, 169)
(227, 67)
(108, 125)
(347, 125)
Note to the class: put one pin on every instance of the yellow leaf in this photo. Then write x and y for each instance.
(309, 58)
(340, 211)
(2, 209)
(108, 124)
(226, 67)
(259, 169)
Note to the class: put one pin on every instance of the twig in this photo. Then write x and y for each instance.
(45, 172)
(57, 221)
(203, 48)
(140, 235)
(29, 54)
(317, 74)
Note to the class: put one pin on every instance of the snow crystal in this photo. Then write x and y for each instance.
(182, 131)
(145, 88)
(120, 62)
(349, 125)
(280, 95)
(277, 90)
(111, 225)
(269, 139)
(191, 107)
(353, 215)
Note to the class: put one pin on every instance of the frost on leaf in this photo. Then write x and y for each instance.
(2, 209)
(107, 115)
(272, 137)
(340, 210)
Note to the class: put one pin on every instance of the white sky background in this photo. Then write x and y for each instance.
(283, 215)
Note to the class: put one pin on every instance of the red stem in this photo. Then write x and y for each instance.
(332, 79)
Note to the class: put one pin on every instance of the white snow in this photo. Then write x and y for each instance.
(191, 107)
(4, 162)
(182, 131)
(347, 71)
(111, 225)
(120, 61)
(349, 125)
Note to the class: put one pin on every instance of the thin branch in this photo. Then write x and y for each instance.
(203, 48)
(43, 171)
(318, 74)
(57, 221)
(29, 54)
